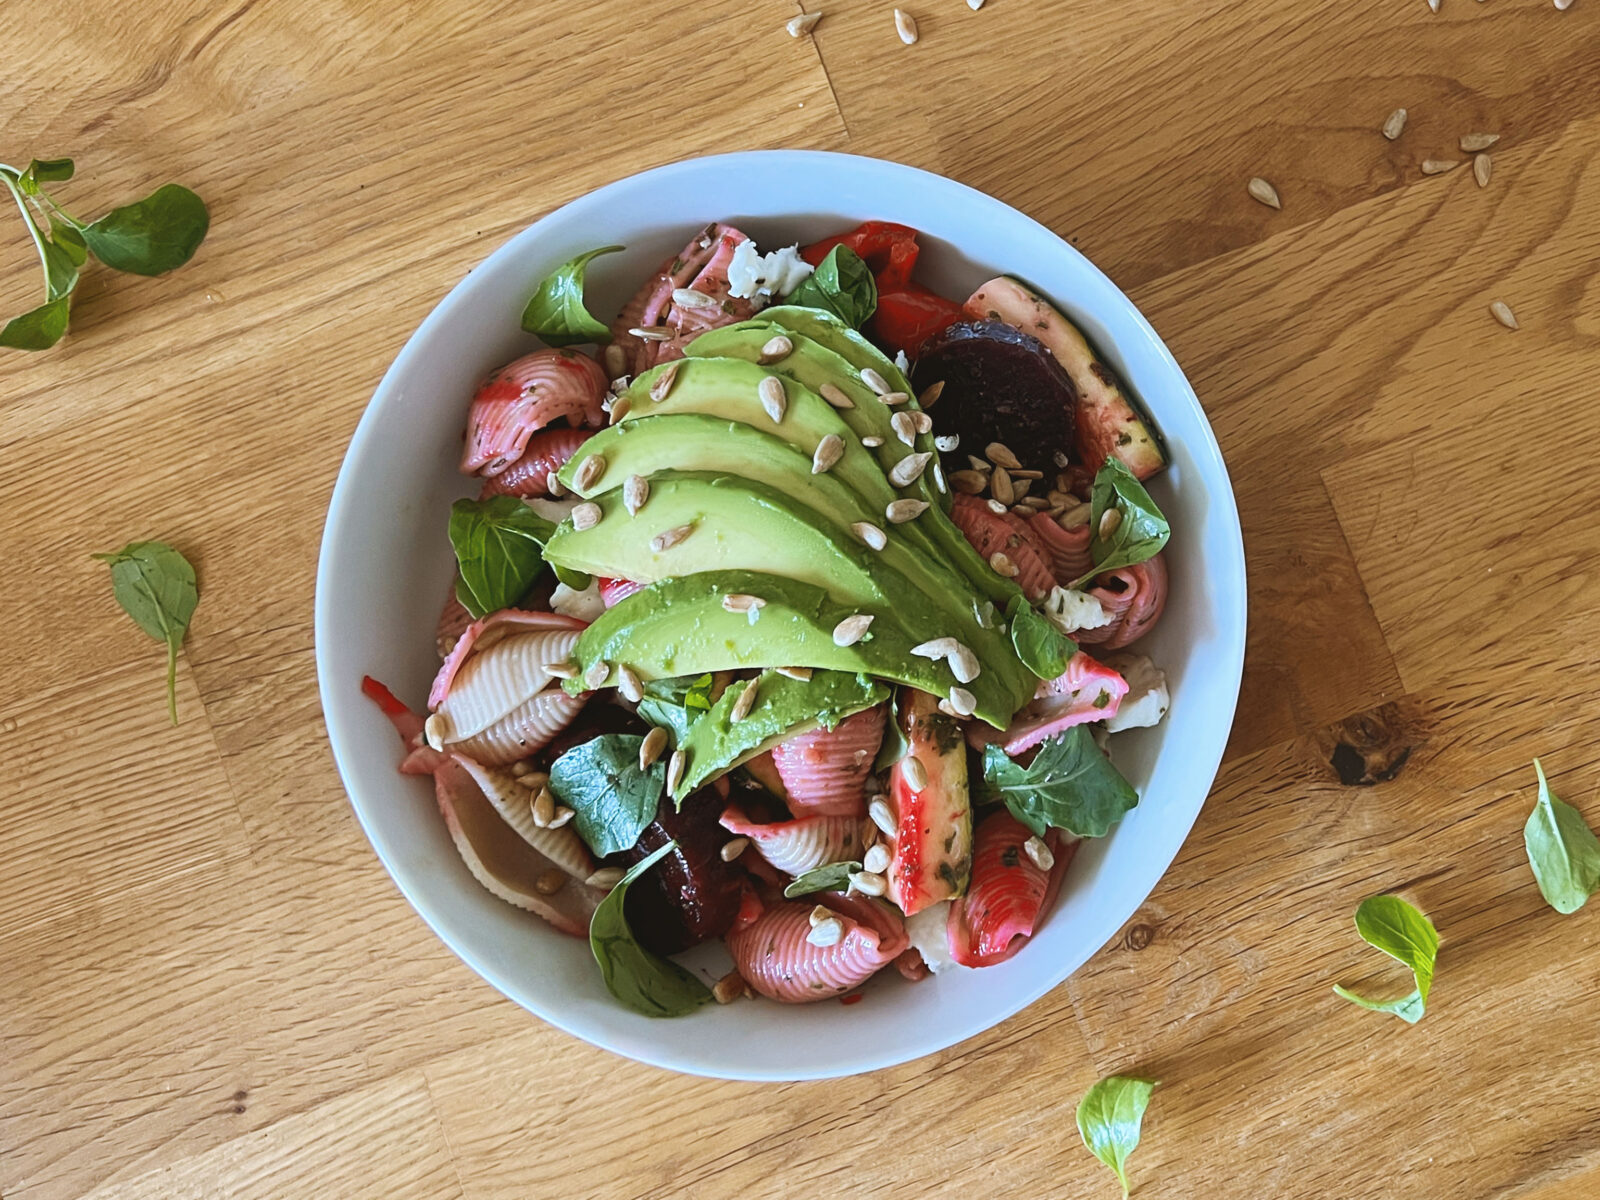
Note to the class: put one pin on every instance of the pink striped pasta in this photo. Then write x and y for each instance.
(991, 532)
(702, 265)
(775, 958)
(523, 397)
(1135, 596)
(795, 847)
(485, 632)
(546, 453)
(825, 771)
(1087, 690)
(1068, 549)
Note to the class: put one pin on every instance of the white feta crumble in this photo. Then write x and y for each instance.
(752, 275)
(926, 930)
(585, 605)
(1073, 610)
(1147, 700)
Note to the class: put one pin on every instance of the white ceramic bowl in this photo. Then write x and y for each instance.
(386, 565)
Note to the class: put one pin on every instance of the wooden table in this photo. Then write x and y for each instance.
(208, 985)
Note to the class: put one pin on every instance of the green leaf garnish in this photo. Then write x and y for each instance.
(1141, 531)
(830, 877)
(675, 704)
(1042, 647)
(645, 982)
(153, 235)
(499, 545)
(156, 587)
(611, 799)
(50, 170)
(1562, 850)
(1405, 935)
(1070, 784)
(556, 312)
(39, 328)
(842, 284)
(1109, 1118)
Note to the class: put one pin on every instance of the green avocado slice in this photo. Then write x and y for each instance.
(679, 627)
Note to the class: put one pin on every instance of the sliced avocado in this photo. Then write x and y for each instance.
(730, 523)
(933, 826)
(783, 708)
(849, 344)
(679, 627)
(1109, 421)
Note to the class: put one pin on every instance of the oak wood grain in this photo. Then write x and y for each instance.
(208, 986)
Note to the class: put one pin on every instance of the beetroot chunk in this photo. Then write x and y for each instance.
(691, 895)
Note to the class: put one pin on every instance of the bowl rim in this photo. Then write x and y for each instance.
(667, 1054)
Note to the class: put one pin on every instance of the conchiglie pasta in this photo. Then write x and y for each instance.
(825, 771)
(795, 847)
(776, 959)
(523, 397)
(1135, 597)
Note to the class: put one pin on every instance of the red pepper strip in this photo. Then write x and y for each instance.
(383, 697)
(908, 316)
(890, 251)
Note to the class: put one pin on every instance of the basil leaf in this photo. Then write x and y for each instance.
(1405, 935)
(830, 877)
(1562, 850)
(156, 587)
(674, 704)
(66, 236)
(556, 312)
(59, 262)
(40, 328)
(1070, 784)
(1042, 647)
(1141, 531)
(499, 545)
(49, 170)
(1109, 1118)
(611, 799)
(842, 285)
(895, 743)
(645, 982)
(153, 235)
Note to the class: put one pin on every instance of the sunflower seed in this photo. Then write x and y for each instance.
(803, 674)
(1263, 191)
(980, 464)
(549, 883)
(543, 809)
(829, 451)
(1563, 5)
(1110, 522)
(826, 933)
(1036, 850)
(1020, 487)
(732, 985)
(905, 472)
(906, 26)
(653, 333)
(876, 382)
(650, 749)
(1061, 460)
(599, 671)
(1478, 141)
(835, 396)
(590, 469)
(852, 629)
(803, 24)
(1076, 517)
(773, 397)
(870, 534)
(675, 766)
(561, 670)
(963, 702)
(970, 482)
(563, 815)
(616, 362)
(877, 859)
(741, 602)
(1395, 125)
(818, 914)
(1034, 503)
(901, 511)
(619, 410)
(922, 422)
(661, 385)
(668, 538)
(1000, 485)
(586, 515)
(733, 848)
(944, 707)
(1000, 454)
(904, 428)
(868, 883)
(893, 399)
(745, 702)
(1434, 5)
(963, 664)
(881, 814)
(635, 491)
(778, 346)
(628, 684)
(915, 774)
(947, 442)
(690, 298)
(930, 395)
(1481, 169)
(936, 648)
(872, 443)
(606, 878)
(1438, 166)
(1000, 562)
(996, 507)
(1502, 313)
(1024, 473)
(974, 5)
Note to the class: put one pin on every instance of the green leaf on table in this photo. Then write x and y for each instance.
(676, 703)
(499, 545)
(48, 170)
(153, 235)
(611, 799)
(40, 328)
(843, 285)
(156, 587)
(1042, 647)
(1140, 531)
(1562, 850)
(1405, 935)
(556, 313)
(645, 982)
(65, 235)
(60, 262)
(1109, 1119)
(830, 877)
(1070, 784)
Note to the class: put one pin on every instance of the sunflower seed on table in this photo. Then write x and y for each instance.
(1395, 125)
(852, 629)
(661, 385)
(650, 749)
(872, 443)
(974, 5)
(738, 602)
(1434, 5)
(835, 396)
(905, 472)
(778, 346)
(1478, 141)
(969, 482)
(589, 470)
(802, 24)
(635, 491)
(1438, 166)
(1482, 168)
(1563, 5)
(586, 515)
(1264, 192)
(931, 393)
(691, 298)
(906, 26)
(901, 511)
(870, 534)
(1000, 485)
(668, 538)
(653, 333)
(829, 451)
(773, 397)
(875, 381)
(1502, 313)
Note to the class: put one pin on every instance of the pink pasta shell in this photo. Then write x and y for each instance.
(795, 847)
(991, 532)
(1136, 596)
(775, 958)
(1088, 690)
(702, 265)
(824, 772)
(488, 630)
(546, 453)
(1067, 549)
(1009, 893)
(523, 397)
